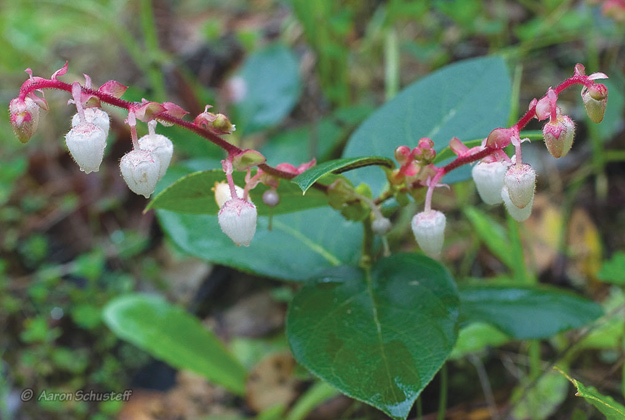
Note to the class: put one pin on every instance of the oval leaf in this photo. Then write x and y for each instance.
(466, 100)
(377, 335)
(193, 194)
(308, 178)
(298, 245)
(172, 335)
(269, 88)
(526, 312)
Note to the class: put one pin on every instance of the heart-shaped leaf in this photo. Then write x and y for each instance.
(337, 166)
(378, 335)
(526, 312)
(466, 100)
(172, 335)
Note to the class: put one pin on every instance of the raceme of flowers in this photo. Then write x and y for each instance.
(498, 177)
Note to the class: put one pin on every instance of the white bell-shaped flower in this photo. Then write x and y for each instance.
(237, 219)
(95, 116)
(489, 180)
(521, 183)
(86, 144)
(518, 214)
(429, 231)
(140, 170)
(159, 146)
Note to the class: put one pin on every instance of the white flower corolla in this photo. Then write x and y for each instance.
(429, 231)
(86, 144)
(140, 170)
(161, 147)
(521, 183)
(95, 116)
(489, 180)
(237, 219)
(518, 214)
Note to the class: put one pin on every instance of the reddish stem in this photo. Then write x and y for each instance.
(31, 85)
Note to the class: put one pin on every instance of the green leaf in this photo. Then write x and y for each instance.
(172, 335)
(613, 271)
(611, 409)
(526, 312)
(467, 100)
(298, 246)
(271, 87)
(193, 194)
(337, 166)
(378, 335)
(475, 337)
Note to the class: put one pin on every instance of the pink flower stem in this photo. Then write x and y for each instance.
(40, 83)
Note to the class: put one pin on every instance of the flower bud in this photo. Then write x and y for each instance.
(559, 136)
(381, 226)
(499, 138)
(271, 198)
(24, 118)
(515, 212)
(161, 147)
(86, 143)
(489, 179)
(595, 101)
(429, 231)
(237, 219)
(140, 170)
(95, 116)
(521, 182)
(222, 193)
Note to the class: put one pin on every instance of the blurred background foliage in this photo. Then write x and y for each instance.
(296, 76)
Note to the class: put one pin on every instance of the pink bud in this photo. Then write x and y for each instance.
(595, 101)
(401, 154)
(95, 116)
(559, 136)
(499, 138)
(521, 183)
(429, 231)
(489, 180)
(515, 212)
(140, 170)
(237, 219)
(161, 147)
(86, 144)
(24, 118)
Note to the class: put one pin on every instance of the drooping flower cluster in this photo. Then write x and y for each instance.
(498, 177)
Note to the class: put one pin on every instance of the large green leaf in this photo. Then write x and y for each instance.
(172, 335)
(270, 88)
(298, 246)
(466, 100)
(193, 194)
(337, 166)
(526, 312)
(378, 335)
